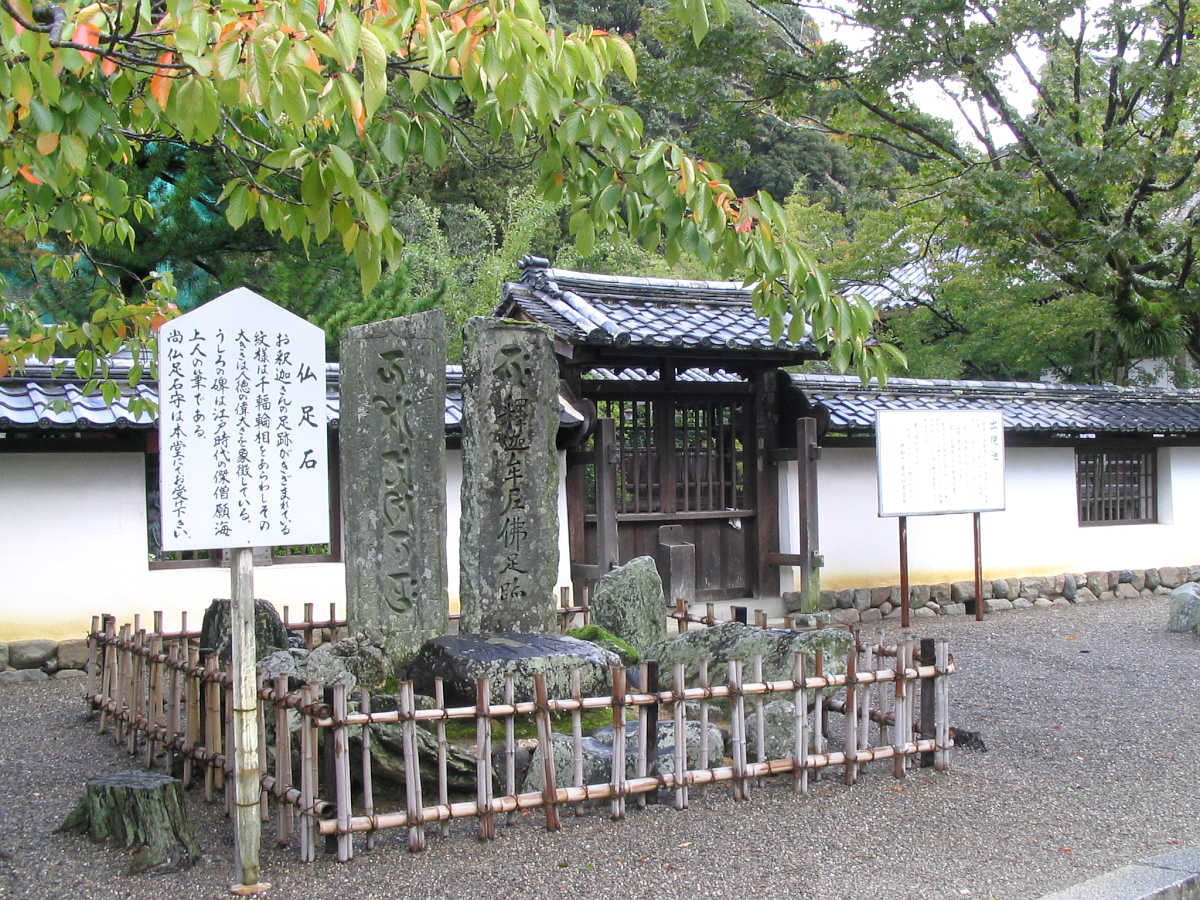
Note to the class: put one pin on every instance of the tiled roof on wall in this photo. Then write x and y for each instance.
(1027, 406)
(37, 399)
(644, 313)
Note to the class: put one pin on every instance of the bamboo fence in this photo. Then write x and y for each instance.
(158, 699)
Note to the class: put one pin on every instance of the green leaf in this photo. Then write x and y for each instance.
(374, 70)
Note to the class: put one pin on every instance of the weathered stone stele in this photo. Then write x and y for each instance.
(393, 452)
(508, 549)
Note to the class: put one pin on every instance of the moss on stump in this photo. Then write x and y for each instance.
(144, 810)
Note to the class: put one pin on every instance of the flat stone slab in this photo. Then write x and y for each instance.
(1171, 876)
(460, 659)
(733, 640)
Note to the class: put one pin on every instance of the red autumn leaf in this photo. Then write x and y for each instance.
(28, 175)
(160, 84)
(87, 33)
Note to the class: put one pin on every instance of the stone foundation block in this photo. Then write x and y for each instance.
(31, 654)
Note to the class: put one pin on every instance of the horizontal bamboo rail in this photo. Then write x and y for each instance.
(162, 700)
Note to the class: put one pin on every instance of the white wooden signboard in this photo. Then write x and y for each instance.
(932, 462)
(242, 430)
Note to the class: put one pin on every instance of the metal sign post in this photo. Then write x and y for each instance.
(242, 438)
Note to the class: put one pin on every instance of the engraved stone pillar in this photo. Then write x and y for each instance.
(393, 451)
(508, 552)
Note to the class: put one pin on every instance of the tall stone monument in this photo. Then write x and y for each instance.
(508, 551)
(393, 451)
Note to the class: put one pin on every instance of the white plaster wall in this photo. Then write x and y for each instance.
(73, 545)
(1037, 533)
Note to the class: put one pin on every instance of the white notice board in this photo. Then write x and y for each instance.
(242, 428)
(932, 462)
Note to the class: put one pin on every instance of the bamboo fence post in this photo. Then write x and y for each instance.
(230, 747)
(283, 761)
(264, 812)
(309, 638)
(333, 628)
(643, 712)
(577, 735)
(93, 658)
(439, 699)
(851, 714)
(681, 623)
(483, 760)
(881, 698)
(510, 749)
(738, 727)
(941, 759)
(928, 729)
(864, 727)
(564, 603)
(108, 675)
(899, 731)
(546, 740)
(341, 772)
(704, 763)
(760, 619)
(307, 769)
(710, 614)
(121, 705)
(789, 623)
(910, 696)
(681, 790)
(368, 786)
(818, 727)
(155, 716)
(212, 712)
(760, 721)
(412, 769)
(618, 764)
(174, 703)
(800, 710)
(191, 707)
(136, 676)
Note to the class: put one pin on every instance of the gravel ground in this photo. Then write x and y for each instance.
(1093, 761)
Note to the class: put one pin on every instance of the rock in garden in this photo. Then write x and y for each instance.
(22, 676)
(597, 752)
(73, 654)
(356, 660)
(461, 659)
(269, 633)
(733, 640)
(1184, 610)
(31, 654)
(629, 602)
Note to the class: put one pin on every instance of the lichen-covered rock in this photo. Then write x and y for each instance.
(31, 654)
(460, 659)
(281, 662)
(269, 633)
(732, 640)
(594, 634)
(356, 660)
(629, 602)
(1184, 610)
(597, 753)
(21, 676)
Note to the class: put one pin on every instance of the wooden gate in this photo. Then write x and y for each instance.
(669, 454)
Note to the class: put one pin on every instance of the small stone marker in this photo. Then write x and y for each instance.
(629, 602)
(509, 538)
(393, 450)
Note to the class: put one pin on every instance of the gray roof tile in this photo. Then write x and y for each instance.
(623, 311)
(1027, 406)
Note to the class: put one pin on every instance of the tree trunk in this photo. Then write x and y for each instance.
(138, 809)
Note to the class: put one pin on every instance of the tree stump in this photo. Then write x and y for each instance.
(138, 809)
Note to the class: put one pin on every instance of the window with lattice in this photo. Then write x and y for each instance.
(1116, 485)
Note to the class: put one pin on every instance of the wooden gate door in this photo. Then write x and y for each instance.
(677, 458)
